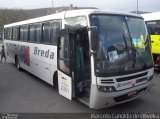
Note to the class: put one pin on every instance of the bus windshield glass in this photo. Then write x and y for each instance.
(123, 44)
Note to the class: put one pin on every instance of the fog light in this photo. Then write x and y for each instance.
(106, 89)
(150, 78)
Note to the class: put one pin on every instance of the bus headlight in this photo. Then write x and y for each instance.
(107, 89)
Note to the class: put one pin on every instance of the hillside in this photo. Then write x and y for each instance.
(8, 16)
(46, 11)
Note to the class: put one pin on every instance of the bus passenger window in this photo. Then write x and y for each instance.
(15, 33)
(46, 34)
(54, 29)
(38, 32)
(31, 33)
(9, 33)
(23, 33)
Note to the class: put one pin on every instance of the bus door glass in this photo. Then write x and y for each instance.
(64, 65)
(82, 62)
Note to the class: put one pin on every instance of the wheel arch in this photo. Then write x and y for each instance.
(15, 58)
(55, 78)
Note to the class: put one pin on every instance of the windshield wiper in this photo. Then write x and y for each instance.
(143, 63)
(127, 49)
(136, 52)
(126, 45)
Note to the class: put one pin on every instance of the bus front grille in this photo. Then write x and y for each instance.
(107, 81)
(131, 77)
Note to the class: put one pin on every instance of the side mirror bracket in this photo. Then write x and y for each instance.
(92, 53)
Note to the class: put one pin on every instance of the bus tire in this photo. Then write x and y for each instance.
(17, 64)
(55, 80)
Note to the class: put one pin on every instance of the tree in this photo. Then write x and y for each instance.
(8, 16)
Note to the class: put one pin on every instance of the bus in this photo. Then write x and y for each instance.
(101, 58)
(153, 24)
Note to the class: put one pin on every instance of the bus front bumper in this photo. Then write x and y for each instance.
(99, 100)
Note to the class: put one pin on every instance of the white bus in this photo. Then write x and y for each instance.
(101, 58)
(153, 24)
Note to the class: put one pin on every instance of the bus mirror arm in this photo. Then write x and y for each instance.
(59, 47)
(92, 53)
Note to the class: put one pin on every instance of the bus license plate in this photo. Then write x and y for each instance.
(132, 93)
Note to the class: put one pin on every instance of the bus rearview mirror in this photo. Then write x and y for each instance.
(94, 37)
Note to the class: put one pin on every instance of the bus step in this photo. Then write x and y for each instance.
(87, 92)
(84, 100)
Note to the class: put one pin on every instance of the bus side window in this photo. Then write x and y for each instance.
(23, 33)
(4, 33)
(9, 33)
(54, 29)
(31, 33)
(46, 33)
(15, 33)
(37, 33)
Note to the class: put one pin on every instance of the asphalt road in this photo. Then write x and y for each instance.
(21, 92)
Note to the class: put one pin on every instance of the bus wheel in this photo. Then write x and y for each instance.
(17, 64)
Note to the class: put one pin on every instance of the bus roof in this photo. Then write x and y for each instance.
(151, 16)
(86, 12)
(70, 13)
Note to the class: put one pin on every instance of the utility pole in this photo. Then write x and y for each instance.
(137, 7)
(71, 6)
(52, 6)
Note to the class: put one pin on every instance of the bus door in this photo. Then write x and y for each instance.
(64, 64)
(73, 63)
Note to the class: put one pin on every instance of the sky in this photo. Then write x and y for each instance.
(120, 5)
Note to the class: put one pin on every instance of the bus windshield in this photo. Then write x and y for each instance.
(123, 44)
